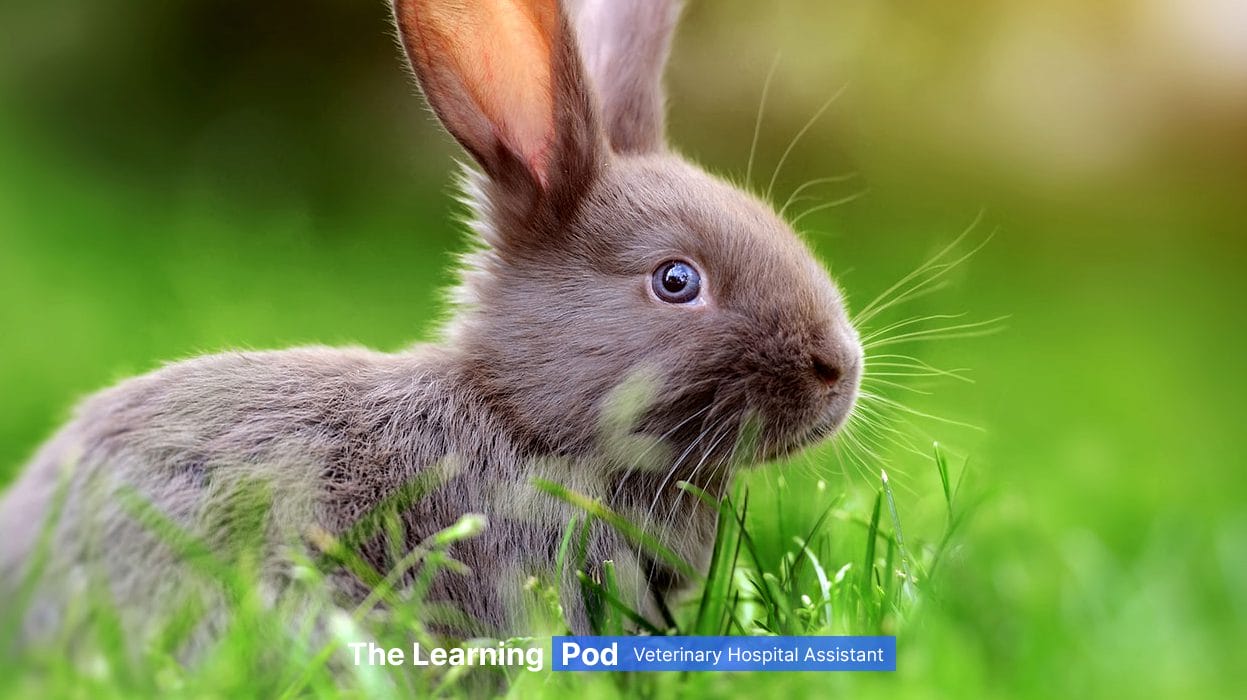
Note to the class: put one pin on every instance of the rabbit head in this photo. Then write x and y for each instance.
(606, 256)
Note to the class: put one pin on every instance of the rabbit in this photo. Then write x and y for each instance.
(623, 320)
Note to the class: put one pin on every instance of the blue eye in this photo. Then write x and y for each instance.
(677, 282)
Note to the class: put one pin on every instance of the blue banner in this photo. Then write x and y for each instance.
(724, 653)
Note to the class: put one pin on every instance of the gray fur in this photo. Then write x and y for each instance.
(553, 319)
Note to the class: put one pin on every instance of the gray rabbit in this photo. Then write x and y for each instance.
(605, 262)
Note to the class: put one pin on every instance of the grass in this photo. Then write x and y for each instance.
(839, 572)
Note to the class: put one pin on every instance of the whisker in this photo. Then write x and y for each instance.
(796, 139)
(892, 403)
(911, 362)
(874, 442)
(932, 267)
(895, 385)
(909, 322)
(723, 429)
(920, 289)
(709, 452)
(645, 523)
(757, 122)
(860, 452)
(977, 329)
(894, 436)
(828, 205)
(922, 268)
(676, 465)
(637, 462)
(877, 460)
(838, 448)
(915, 375)
(795, 196)
(896, 370)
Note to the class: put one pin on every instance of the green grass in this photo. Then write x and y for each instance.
(841, 571)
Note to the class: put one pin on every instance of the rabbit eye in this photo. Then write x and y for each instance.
(677, 282)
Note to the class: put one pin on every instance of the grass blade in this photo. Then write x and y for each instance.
(941, 463)
(899, 533)
(614, 602)
(602, 512)
(872, 534)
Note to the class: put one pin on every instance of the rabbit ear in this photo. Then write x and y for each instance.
(624, 44)
(505, 79)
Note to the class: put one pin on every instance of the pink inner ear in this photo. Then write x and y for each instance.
(502, 52)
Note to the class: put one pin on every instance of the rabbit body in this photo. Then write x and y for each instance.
(623, 320)
(329, 434)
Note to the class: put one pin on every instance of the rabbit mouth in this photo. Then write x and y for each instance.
(825, 426)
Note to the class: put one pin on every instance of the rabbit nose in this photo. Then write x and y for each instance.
(827, 368)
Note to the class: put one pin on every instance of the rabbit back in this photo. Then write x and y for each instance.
(309, 438)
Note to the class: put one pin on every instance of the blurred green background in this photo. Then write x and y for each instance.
(185, 177)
